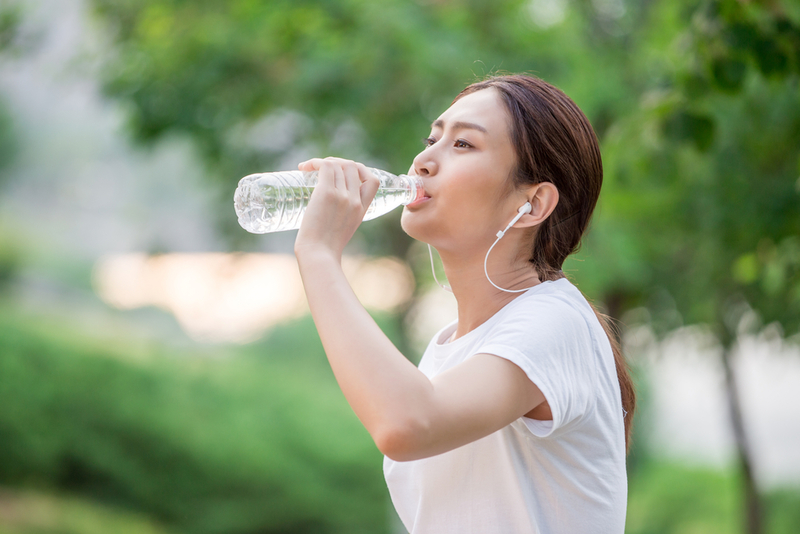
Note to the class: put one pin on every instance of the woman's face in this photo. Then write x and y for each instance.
(465, 169)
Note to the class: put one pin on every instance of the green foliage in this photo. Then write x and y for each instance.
(731, 36)
(10, 259)
(234, 444)
(699, 216)
(29, 512)
(700, 175)
(215, 70)
(668, 498)
(8, 139)
(783, 511)
(10, 19)
(706, 226)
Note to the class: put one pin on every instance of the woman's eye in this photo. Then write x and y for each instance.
(459, 143)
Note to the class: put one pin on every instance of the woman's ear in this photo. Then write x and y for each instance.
(543, 198)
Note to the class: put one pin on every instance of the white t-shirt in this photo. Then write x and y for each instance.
(565, 476)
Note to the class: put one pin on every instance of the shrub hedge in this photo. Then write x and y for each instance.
(244, 441)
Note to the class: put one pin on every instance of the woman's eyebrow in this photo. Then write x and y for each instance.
(458, 125)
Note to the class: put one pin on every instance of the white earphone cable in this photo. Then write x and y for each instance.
(486, 270)
(525, 208)
(433, 270)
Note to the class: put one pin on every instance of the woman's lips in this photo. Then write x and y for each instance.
(424, 198)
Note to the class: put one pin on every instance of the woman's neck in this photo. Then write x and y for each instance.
(477, 299)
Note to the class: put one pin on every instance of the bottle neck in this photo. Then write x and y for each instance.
(414, 185)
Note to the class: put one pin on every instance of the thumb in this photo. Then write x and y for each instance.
(368, 190)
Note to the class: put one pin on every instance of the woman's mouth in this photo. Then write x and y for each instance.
(421, 200)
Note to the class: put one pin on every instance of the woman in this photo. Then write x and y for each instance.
(517, 419)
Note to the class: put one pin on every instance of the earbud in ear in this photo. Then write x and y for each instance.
(525, 208)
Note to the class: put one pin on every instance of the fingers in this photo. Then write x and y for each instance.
(368, 189)
(339, 179)
(310, 165)
(314, 164)
(330, 172)
(346, 174)
(353, 179)
(361, 183)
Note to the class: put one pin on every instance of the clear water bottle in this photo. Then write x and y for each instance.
(276, 201)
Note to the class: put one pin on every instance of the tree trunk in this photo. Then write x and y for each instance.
(753, 505)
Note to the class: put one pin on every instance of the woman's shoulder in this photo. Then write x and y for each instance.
(558, 315)
(558, 299)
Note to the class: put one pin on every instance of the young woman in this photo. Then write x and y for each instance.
(517, 419)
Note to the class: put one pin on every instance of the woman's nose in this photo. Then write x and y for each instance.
(424, 164)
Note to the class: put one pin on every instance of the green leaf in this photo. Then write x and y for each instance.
(770, 58)
(745, 269)
(692, 127)
(728, 73)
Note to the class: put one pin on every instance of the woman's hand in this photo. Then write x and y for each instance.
(337, 206)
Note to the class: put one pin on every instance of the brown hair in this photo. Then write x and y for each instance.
(555, 143)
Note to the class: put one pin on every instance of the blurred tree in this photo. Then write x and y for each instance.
(251, 81)
(701, 204)
(10, 19)
(10, 45)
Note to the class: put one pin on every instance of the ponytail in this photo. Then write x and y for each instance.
(626, 389)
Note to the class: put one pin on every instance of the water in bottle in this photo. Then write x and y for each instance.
(276, 201)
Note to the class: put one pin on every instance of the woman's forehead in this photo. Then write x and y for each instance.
(484, 108)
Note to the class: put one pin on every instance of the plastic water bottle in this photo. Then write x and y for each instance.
(276, 201)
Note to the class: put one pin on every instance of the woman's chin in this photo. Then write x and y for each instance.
(409, 223)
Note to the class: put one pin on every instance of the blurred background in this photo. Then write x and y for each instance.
(159, 372)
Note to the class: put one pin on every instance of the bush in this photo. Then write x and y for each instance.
(671, 498)
(235, 443)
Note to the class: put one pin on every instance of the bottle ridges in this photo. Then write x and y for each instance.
(274, 202)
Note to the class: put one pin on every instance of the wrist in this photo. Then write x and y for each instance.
(315, 254)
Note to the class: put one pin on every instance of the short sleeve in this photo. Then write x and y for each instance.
(551, 342)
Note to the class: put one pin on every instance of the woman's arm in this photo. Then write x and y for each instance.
(407, 415)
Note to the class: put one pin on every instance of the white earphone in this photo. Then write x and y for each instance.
(524, 209)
